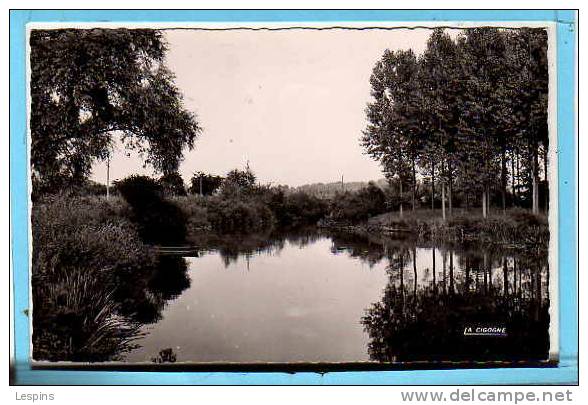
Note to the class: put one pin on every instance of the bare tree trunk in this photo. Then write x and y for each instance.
(535, 185)
(451, 271)
(545, 159)
(503, 180)
(467, 274)
(434, 271)
(445, 272)
(443, 190)
(514, 276)
(518, 174)
(413, 184)
(485, 186)
(518, 170)
(490, 285)
(520, 281)
(512, 169)
(488, 200)
(484, 213)
(505, 276)
(539, 287)
(108, 177)
(401, 198)
(443, 200)
(485, 269)
(450, 193)
(432, 185)
(414, 269)
(401, 273)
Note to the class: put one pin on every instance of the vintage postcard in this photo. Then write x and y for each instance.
(293, 194)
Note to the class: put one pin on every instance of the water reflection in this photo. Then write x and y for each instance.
(87, 319)
(142, 297)
(302, 296)
(426, 308)
(231, 247)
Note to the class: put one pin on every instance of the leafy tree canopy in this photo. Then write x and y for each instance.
(88, 85)
(462, 111)
(173, 184)
(205, 184)
(241, 179)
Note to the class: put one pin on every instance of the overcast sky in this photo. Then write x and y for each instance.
(291, 102)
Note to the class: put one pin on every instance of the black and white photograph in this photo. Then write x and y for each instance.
(308, 194)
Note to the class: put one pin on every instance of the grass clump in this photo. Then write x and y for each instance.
(92, 279)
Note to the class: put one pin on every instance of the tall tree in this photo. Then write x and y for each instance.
(173, 184)
(239, 180)
(392, 135)
(205, 184)
(483, 73)
(439, 79)
(461, 112)
(88, 85)
(529, 58)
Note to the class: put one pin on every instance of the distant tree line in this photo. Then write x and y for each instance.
(469, 113)
(330, 190)
(206, 184)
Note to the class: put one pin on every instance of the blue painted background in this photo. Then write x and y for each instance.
(565, 373)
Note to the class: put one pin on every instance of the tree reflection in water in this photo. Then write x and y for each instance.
(94, 320)
(433, 292)
(424, 318)
(231, 247)
(143, 298)
(426, 307)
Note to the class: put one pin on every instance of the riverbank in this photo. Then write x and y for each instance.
(517, 228)
(94, 279)
(94, 266)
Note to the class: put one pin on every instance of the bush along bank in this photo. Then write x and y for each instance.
(518, 228)
(249, 211)
(94, 280)
(158, 220)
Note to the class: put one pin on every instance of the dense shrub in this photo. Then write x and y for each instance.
(243, 179)
(295, 209)
(93, 279)
(138, 190)
(237, 183)
(89, 188)
(238, 215)
(70, 231)
(195, 211)
(81, 247)
(159, 221)
(517, 227)
(358, 206)
(258, 209)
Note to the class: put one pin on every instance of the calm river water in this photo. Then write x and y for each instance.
(320, 297)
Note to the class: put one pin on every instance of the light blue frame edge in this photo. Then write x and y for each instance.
(565, 373)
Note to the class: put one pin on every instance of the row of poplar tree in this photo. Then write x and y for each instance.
(469, 113)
